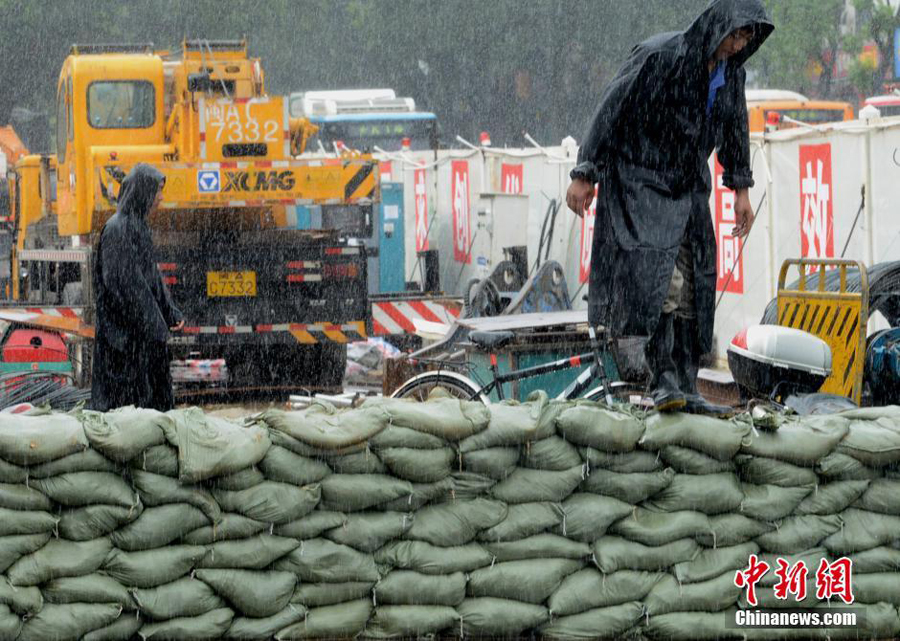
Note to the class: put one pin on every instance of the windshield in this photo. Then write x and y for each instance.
(121, 104)
(813, 116)
(384, 134)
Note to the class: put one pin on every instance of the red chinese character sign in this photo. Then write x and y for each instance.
(511, 179)
(421, 195)
(462, 231)
(816, 202)
(729, 261)
(587, 240)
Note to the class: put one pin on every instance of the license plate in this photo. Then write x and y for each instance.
(230, 284)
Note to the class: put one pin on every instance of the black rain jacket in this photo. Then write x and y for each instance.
(648, 147)
(134, 309)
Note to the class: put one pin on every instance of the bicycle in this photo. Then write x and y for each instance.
(459, 386)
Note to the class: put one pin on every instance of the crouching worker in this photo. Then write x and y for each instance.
(134, 309)
(678, 97)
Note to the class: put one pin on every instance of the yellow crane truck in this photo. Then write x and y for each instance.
(278, 303)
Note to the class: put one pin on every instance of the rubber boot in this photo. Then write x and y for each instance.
(687, 365)
(667, 396)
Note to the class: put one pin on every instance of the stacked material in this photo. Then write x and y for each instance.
(400, 519)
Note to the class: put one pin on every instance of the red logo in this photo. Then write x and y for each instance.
(511, 178)
(421, 195)
(816, 202)
(832, 579)
(728, 247)
(587, 240)
(791, 580)
(750, 577)
(462, 232)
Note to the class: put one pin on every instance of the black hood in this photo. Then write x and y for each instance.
(138, 190)
(722, 17)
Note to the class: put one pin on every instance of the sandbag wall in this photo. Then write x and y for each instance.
(399, 519)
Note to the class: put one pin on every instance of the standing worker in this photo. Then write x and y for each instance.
(653, 264)
(134, 309)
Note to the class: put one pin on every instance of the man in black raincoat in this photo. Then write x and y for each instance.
(653, 264)
(134, 309)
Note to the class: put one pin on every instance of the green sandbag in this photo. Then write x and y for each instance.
(322, 426)
(94, 521)
(211, 625)
(532, 581)
(523, 520)
(874, 436)
(10, 473)
(834, 497)
(600, 623)
(15, 522)
(587, 516)
(82, 461)
(529, 486)
(59, 558)
(311, 525)
(881, 559)
(514, 423)
(68, 622)
(160, 459)
(613, 553)
(760, 470)
(447, 418)
(209, 446)
(265, 628)
(712, 595)
(357, 492)
(489, 617)
(23, 601)
(341, 621)
(123, 433)
(156, 489)
(882, 495)
(687, 461)
(91, 588)
(314, 595)
(122, 629)
(253, 553)
(404, 587)
(10, 623)
(797, 533)
(422, 494)
(419, 466)
(252, 593)
(708, 564)
(732, 529)
(14, 547)
(495, 462)
(237, 481)
(396, 436)
(841, 467)
(714, 437)
(429, 559)
(363, 462)
(271, 502)
(282, 465)
(540, 546)
(31, 440)
(803, 441)
(880, 622)
(863, 530)
(631, 488)
(770, 502)
(876, 588)
(657, 528)
(707, 493)
(88, 488)
(588, 589)
(552, 453)
(22, 497)
(232, 527)
(159, 526)
(637, 462)
(455, 523)
(185, 597)
(469, 485)
(593, 426)
(697, 626)
(409, 621)
(321, 560)
(152, 568)
(369, 531)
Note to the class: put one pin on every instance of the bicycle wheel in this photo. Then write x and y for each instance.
(456, 385)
